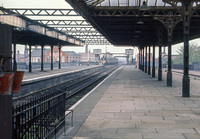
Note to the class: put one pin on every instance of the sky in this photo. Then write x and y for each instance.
(63, 4)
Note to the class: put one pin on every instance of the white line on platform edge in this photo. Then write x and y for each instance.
(78, 102)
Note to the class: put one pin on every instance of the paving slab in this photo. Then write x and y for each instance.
(133, 105)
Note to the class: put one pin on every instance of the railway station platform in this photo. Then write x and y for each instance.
(130, 104)
(47, 72)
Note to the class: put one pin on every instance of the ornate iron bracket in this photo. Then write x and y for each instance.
(194, 4)
(169, 22)
(160, 35)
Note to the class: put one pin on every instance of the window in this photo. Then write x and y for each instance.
(63, 59)
(48, 58)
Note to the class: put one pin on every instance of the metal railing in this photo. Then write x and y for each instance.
(42, 114)
(39, 118)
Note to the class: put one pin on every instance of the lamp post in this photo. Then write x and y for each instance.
(144, 6)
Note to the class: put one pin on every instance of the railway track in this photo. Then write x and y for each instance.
(40, 114)
(190, 74)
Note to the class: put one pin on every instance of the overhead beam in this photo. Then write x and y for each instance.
(84, 10)
(25, 23)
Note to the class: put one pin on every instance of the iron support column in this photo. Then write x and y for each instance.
(51, 57)
(186, 26)
(140, 59)
(146, 60)
(160, 64)
(169, 22)
(127, 60)
(159, 54)
(14, 56)
(170, 25)
(169, 71)
(149, 63)
(143, 60)
(42, 57)
(153, 66)
(6, 99)
(59, 64)
(30, 65)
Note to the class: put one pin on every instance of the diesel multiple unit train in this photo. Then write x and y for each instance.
(109, 61)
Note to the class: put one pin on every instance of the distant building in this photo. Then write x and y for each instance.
(36, 55)
(47, 55)
(84, 57)
(72, 56)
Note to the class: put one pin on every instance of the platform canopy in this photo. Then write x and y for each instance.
(123, 2)
(122, 22)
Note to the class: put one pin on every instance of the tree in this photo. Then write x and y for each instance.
(194, 54)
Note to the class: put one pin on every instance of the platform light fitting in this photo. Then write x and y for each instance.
(140, 22)
(144, 6)
(137, 31)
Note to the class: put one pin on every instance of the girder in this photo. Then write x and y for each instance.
(79, 29)
(134, 12)
(44, 12)
(111, 3)
(75, 29)
(58, 22)
(120, 23)
(26, 26)
(98, 11)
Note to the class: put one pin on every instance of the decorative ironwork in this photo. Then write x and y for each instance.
(193, 5)
(133, 12)
(187, 9)
(169, 22)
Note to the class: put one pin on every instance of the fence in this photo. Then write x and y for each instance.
(40, 117)
(196, 66)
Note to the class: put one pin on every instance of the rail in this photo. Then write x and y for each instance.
(42, 113)
(43, 82)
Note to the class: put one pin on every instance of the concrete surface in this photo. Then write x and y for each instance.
(133, 105)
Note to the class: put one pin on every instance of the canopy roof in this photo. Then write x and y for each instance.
(123, 23)
(124, 2)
